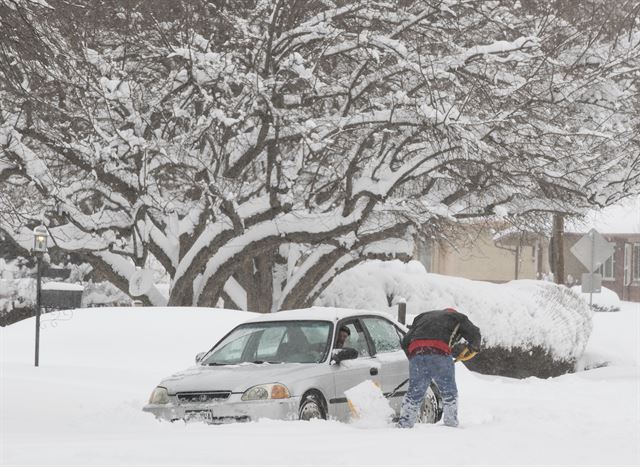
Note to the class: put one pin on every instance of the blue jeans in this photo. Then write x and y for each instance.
(423, 369)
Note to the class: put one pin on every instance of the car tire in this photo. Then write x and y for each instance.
(311, 408)
(431, 410)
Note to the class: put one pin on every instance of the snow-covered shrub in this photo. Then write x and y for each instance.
(529, 328)
(606, 300)
(104, 294)
(18, 297)
(16, 293)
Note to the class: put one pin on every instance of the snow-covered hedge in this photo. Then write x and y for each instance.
(18, 293)
(606, 300)
(18, 297)
(525, 320)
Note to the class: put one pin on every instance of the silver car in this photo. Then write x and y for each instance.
(287, 365)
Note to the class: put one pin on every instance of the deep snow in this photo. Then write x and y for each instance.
(82, 406)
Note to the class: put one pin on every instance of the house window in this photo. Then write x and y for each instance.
(608, 268)
(636, 261)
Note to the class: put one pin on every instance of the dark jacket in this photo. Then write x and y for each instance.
(438, 331)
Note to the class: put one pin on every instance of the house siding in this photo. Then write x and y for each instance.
(481, 259)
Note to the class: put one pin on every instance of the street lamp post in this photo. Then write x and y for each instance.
(40, 236)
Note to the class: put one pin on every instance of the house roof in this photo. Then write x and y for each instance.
(513, 236)
(623, 218)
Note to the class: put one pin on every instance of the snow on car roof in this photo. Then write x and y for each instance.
(317, 313)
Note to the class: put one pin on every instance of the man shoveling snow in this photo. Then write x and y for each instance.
(428, 345)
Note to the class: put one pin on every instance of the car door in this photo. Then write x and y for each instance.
(394, 365)
(350, 373)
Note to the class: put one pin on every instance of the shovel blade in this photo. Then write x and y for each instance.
(368, 406)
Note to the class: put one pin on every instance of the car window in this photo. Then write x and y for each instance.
(273, 342)
(384, 334)
(316, 336)
(357, 339)
(231, 351)
(269, 342)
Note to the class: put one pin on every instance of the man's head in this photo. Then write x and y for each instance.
(343, 335)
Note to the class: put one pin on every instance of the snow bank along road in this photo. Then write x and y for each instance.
(82, 406)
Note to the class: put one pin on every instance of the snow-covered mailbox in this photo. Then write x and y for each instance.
(61, 295)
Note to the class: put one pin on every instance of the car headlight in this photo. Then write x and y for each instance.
(159, 395)
(266, 391)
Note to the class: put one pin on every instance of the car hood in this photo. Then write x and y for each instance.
(236, 378)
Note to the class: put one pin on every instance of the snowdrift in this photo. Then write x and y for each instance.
(162, 338)
(530, 328)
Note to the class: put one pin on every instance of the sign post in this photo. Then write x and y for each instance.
(592, 251)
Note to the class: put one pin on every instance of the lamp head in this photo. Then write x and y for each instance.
(40, 237)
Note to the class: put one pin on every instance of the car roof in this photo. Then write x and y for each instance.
(318, 313)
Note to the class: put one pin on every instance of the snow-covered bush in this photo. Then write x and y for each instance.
(528, 327)
(18, 297)
(16, 294)
(104, 294)
(606, 300)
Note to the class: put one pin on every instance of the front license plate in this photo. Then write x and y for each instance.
(198, 416)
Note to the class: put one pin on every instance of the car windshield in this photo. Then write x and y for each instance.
(274, 342)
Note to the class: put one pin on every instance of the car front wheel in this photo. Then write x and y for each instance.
(311, 407)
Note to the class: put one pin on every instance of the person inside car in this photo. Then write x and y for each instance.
(343, 335)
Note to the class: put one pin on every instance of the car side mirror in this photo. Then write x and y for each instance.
(346, 353)
(200, 356)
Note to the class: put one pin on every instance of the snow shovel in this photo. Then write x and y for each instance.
(393, 393)
(353, 409)
(465, 354)
(368, 406)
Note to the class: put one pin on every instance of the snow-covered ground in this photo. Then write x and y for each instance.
(98, 366)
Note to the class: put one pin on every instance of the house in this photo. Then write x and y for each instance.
(496, 253)
(621, 226)
(620, 273)
(488, 252)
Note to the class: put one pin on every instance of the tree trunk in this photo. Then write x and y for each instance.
(182, 296)
(260, 288)
(558, 248)
(299, 295)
